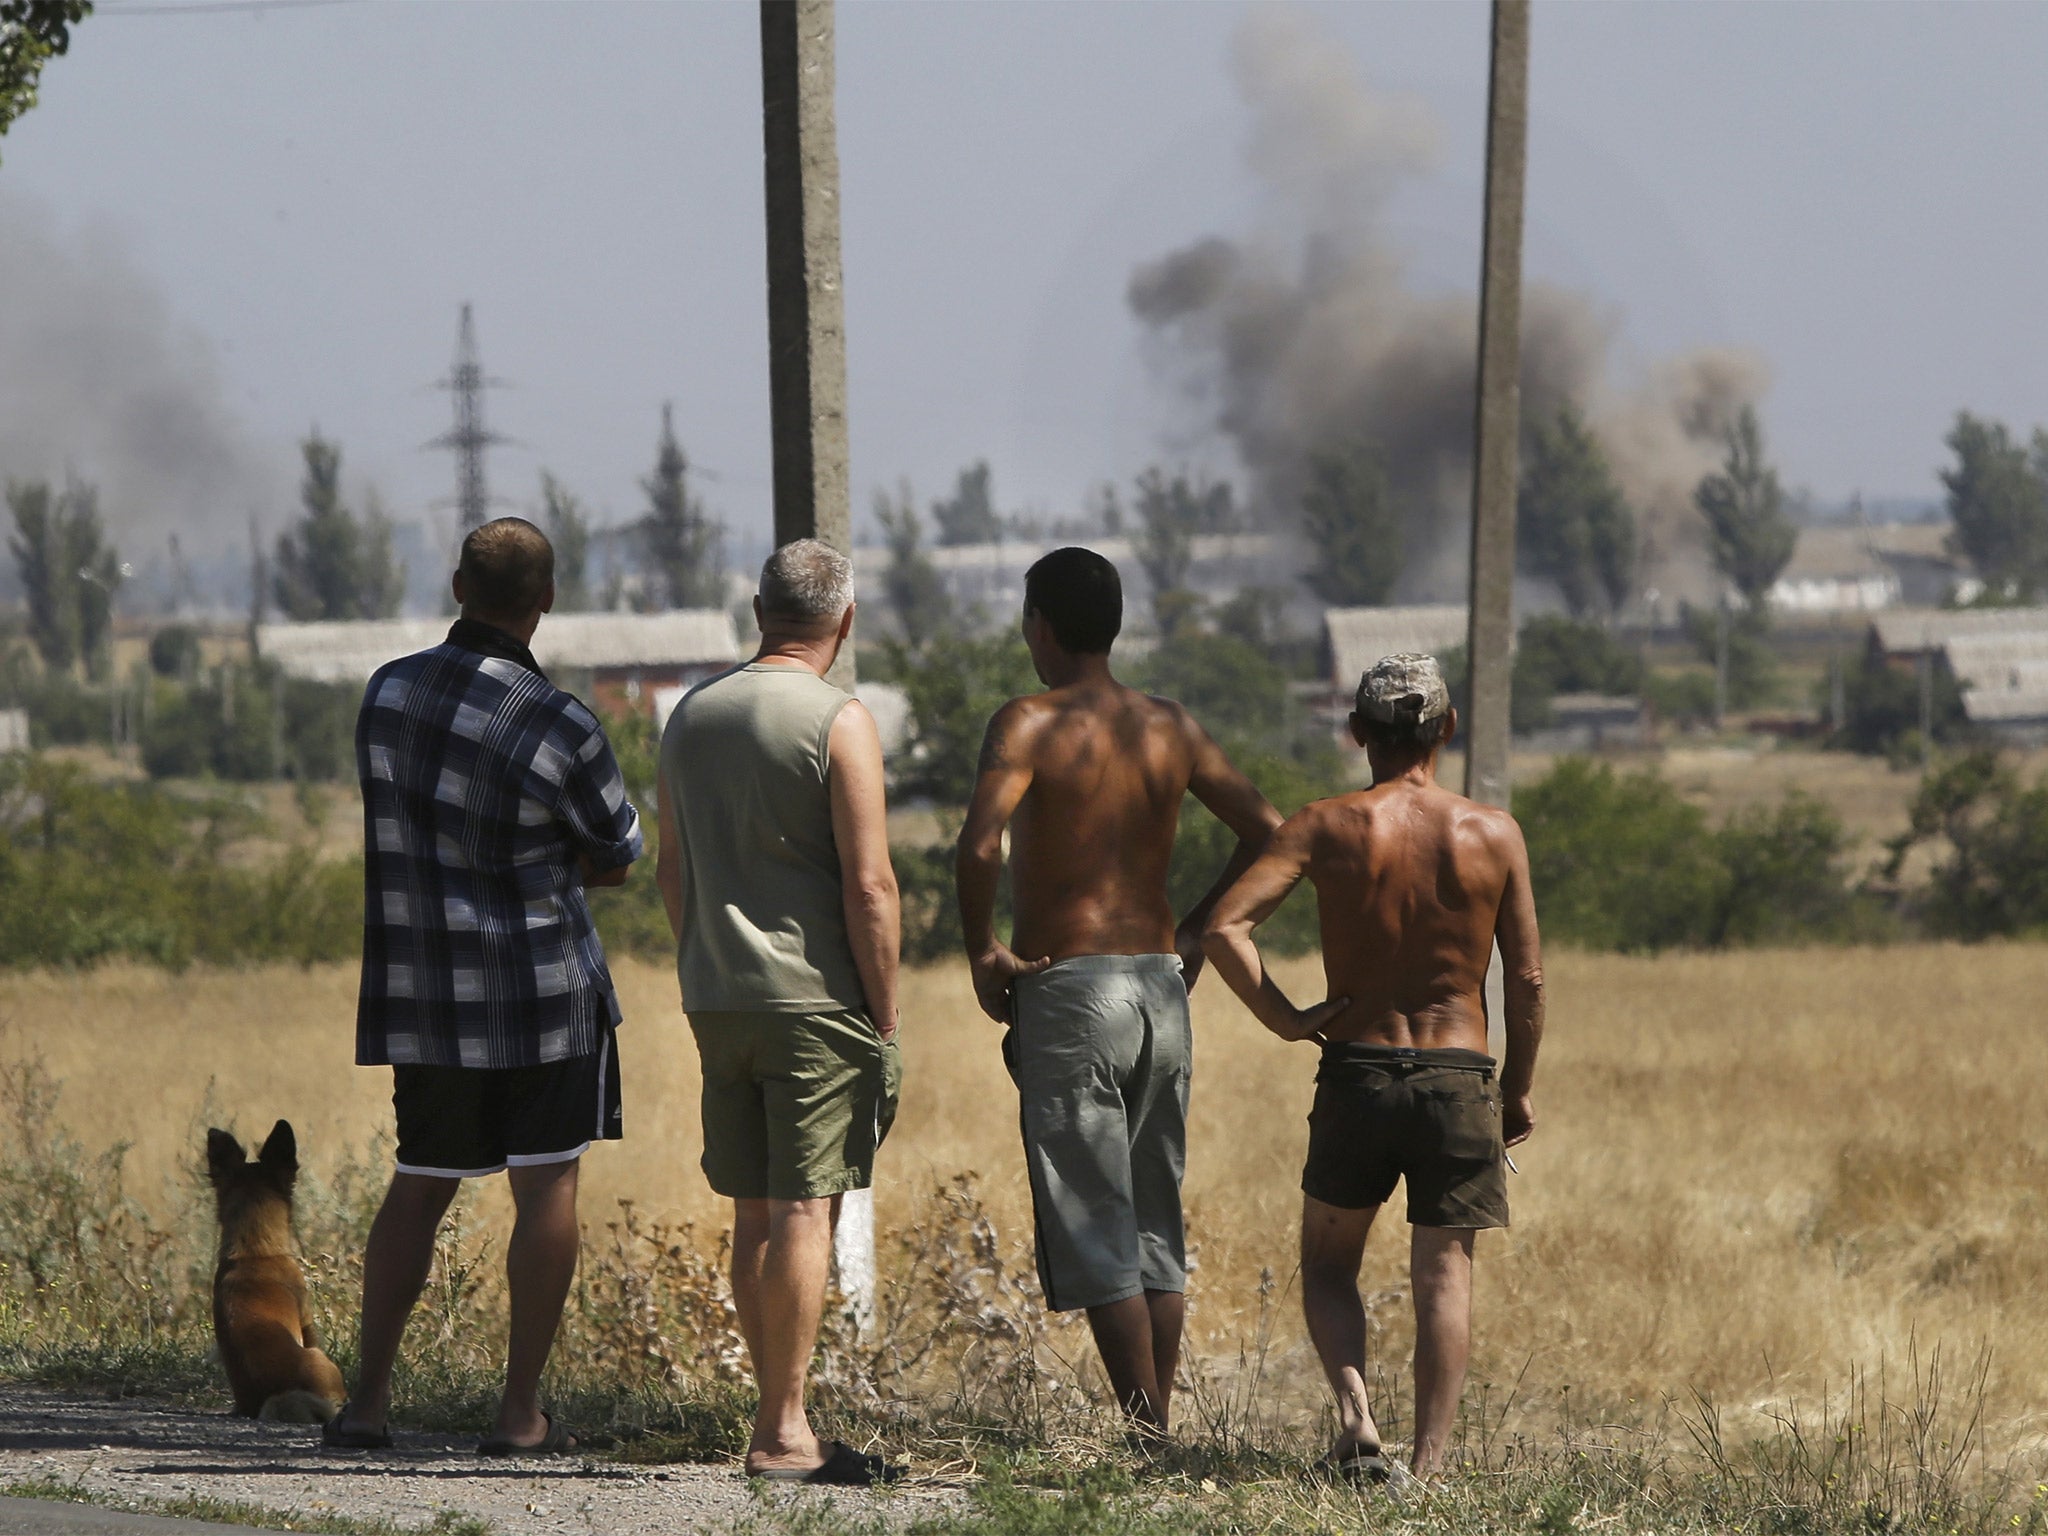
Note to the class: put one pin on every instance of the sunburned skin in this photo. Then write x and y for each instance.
(1089, 777)
(1415, 885)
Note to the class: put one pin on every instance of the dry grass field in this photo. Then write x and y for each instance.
(1752, 1173)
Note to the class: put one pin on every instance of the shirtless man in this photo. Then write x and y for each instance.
(1089, 776)
(1416, 885)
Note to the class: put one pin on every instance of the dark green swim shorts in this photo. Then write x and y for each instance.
(1384, 1113)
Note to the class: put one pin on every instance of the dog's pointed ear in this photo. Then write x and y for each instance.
(224, 1154)
(280, 1151)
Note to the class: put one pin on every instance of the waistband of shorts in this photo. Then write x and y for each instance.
(1108, 965)
(1404, 1058)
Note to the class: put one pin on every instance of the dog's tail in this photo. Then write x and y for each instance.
(298, 1406)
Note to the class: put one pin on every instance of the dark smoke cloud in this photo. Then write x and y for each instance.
(1307, 335)
(98, 379)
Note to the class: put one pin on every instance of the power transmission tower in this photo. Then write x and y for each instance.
(466, 382)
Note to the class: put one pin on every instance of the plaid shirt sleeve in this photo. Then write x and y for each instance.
(602, 822)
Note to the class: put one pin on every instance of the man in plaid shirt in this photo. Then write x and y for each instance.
(490, 801)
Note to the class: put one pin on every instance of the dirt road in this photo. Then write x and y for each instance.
(150, 1451)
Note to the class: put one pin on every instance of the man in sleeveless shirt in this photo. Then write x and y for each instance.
(1415, 885)
(774, 866)
(1088, 777)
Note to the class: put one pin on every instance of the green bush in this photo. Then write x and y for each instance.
(1624, 862)
(953, 686)
(1558, 654)
(1994, 880)
(1881, 708)
(92, 871)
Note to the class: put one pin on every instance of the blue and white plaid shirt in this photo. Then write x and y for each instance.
(482, 784)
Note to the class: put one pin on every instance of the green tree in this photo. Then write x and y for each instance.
(685, 545)
(1232, 688)
(1172, 513)
(1555, 654)
(1572, 523)
(969, 515)
(952, 693)
(912, 585)
(568, 528)
(1353, 524)
(1998, 503)
(1994, 879)
(40, 552)
(97, 573)
(32, 32)
(332, 566)
(1748, 532)
(69, 573)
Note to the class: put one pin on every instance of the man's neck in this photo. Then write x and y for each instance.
(1417, 772)
(816, 655)
(1067, 670)
(521, 631)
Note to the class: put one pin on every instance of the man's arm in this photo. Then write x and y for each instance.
(1235, 801)
(668, 859)
(603, 825)
(1521, 958)
(867, 880)
(1242, 907)
(999, 786)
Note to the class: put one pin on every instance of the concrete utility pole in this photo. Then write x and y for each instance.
(807, 380)
(1491, 636)
(806, 315)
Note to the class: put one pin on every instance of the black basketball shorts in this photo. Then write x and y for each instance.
(467, 1122)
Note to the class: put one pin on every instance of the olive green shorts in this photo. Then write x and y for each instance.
(1432, 1117)
(795, 1104)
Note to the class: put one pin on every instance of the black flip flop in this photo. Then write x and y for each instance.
(843, 1467)
(335, 1435)
(560, 1440)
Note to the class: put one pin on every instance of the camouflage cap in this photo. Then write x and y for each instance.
(1404, 689)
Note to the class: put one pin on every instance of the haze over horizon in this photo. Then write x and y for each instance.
(225, 225)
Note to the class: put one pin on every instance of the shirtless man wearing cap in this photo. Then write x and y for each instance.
(1416, 886)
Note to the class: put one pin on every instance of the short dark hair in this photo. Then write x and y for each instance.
(506, 567)
(1080, 596)
(1405, 735)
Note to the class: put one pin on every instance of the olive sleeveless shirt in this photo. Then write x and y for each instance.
(764, 928)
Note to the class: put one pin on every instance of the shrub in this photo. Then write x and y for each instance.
(1881, 708)
(1618, 861)
(1995, 878)
(1624, 862)
(1557, 654)
(92, 871)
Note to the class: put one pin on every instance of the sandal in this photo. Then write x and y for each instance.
(338, 1435)
(1365, 1464)
(843, 1467)
(560, 1440)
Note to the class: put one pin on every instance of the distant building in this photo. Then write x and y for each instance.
(1355, 638)
(1998, 657)
(614, 661)
(1861, 569)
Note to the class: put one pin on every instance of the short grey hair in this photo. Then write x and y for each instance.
(807, 580)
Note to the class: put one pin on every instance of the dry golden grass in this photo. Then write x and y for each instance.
(1751, 1171)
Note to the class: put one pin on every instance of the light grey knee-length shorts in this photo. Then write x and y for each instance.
(1102, 1052)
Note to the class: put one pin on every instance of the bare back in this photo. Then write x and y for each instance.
(1411, 880)
(1092, 836)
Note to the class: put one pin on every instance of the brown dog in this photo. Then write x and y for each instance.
(274, 1363)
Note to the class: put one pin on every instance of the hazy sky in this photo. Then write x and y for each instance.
(312, 190)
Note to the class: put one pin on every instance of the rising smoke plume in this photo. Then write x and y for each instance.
(98, 380)
(1308, 335)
